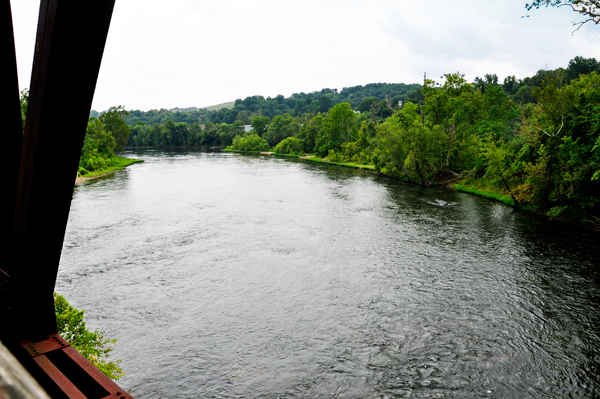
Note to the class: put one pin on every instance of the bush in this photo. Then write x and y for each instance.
(249, 142)
(290, 145)
(90, 344)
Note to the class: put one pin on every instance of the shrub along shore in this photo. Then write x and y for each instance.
(120, 163)
(539, 151)
(533, 142)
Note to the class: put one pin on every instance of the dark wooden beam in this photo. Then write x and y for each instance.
(12, 138)
(42, 165)
(69, 47)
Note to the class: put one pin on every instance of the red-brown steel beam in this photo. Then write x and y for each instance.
(71, 374)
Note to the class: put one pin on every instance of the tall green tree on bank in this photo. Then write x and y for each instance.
(561, 158)
(407, 147)
(281, 127)
(309, 133)
(260, 124)
(339, 126)
(455, 107)
(98, 145)
(114, 122)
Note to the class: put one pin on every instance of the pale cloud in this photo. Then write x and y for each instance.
(198, 53)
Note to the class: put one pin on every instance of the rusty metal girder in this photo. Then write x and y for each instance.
(73, 374)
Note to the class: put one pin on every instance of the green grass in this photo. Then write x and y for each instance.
(241, 152)
(352, 165)
(286, 155)
(486, 192)
(121, 163)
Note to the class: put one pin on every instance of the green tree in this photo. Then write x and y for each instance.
(561, 170)
(309, 132)
(455, 107)
(500, 164)
(407, 148)
(91, 344)
(357, 151)
(369, 104)
(325, 103)
(339, 126)
(581, 66)
(98, 146)
(114, 122)
(260, 124)
(281, 127)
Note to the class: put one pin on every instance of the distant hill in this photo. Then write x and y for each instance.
(297, 104)
(317, 101)
(217, 107)
(183, 109)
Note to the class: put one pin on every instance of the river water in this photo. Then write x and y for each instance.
(236, 276)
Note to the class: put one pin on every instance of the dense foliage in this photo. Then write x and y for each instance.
(544, 154)
(249, 142)
(370, 97)
(535, 141)
(90, 344)
(103, 137)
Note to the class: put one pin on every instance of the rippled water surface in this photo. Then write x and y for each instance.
(234, 276)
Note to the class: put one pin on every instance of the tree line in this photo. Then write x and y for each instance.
(536, 140)
(297, 104)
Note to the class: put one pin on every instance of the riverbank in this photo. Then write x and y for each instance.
(121, 164)
(310, 158)
(474, 188)
(320, 249)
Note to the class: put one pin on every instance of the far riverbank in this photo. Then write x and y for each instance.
(478, 188)
(121, 164)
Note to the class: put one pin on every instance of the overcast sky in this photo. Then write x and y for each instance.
(184, 53)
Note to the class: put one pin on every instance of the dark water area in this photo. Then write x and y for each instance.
(236, 276)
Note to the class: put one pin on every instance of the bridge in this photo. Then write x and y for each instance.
(40, 163)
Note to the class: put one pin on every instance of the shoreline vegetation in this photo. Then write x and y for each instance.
(532, 142)
(309, 158)
(121, 163)
(479, 188)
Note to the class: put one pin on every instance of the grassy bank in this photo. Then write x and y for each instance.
(480, 188)
(241, 152)
(120, 164)
(485, 192)
(353, 165)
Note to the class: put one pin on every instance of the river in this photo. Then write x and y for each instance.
(235, 276)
